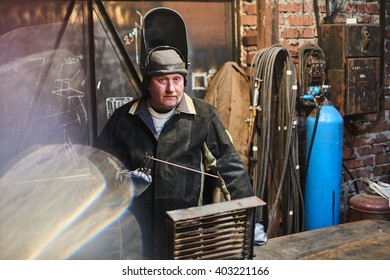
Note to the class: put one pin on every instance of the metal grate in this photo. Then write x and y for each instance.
(217, 231)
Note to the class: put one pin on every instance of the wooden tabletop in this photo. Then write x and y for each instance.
(361, 240)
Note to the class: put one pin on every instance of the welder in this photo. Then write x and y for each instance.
(169, 125)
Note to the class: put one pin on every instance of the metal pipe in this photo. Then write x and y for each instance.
(181, 166)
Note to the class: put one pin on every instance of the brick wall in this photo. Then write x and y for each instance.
(366, 151)
(248, 30)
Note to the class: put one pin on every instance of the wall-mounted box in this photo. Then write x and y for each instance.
(352, 54)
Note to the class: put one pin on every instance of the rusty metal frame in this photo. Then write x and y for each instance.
(216, 231)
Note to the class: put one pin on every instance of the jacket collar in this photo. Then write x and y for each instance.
(186, 106)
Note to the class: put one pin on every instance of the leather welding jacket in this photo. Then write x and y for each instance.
(130, 134)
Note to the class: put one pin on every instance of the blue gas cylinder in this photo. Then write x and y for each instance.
(324, 169)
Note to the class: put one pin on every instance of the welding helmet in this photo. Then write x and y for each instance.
(163, 44)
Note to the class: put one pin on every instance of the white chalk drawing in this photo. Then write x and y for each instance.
(113, 103)
(132, 37)
(69, 77)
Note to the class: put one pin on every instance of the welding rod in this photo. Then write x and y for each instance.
(181, 166)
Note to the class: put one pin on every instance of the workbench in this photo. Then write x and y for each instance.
(360, 240)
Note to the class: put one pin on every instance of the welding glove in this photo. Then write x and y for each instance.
(135, 182)
(140, 181)
(260, 236)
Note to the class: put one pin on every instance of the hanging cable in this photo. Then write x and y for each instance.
(318, 109)
(311, 67)
(317, 17)
(276, 169)
(352, 178)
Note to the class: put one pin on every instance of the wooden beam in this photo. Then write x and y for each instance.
(268, 23)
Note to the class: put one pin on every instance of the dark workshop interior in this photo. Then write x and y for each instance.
(303, 88)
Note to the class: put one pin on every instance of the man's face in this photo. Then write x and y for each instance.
(166, 92)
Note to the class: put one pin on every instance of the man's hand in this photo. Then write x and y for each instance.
(139, 181)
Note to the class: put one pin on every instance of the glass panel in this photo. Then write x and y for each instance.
(43, 86)
(54, 202)
(115, 83)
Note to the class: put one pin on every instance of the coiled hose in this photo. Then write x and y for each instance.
(275, 170)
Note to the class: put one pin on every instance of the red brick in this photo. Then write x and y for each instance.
(340, 18)
(299, 20)
(249, 8)
(249, 40)
(348, 163)
(361, 163)
(365, 172)
(382, 126)
(381, 170)
(250, 32)
(308, 6)
(307, 33)
(364, 151)
(383, 158)
(290, 7)
(349, 153)
(249, 58)
(381, 138)
(292, 48)
(363, 141)
(290, 33)
(248, 20)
